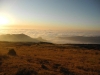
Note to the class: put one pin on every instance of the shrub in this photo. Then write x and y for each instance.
(3, 57)
(0, 61)
(25, 71)
(65, 71)
(56, 66)
(44, 67)
(12, 52)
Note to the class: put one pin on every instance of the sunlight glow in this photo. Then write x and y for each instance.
(3, 20)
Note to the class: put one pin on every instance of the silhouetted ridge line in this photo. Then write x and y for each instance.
(19, 38)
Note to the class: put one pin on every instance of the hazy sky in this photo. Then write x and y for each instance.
(52, 14)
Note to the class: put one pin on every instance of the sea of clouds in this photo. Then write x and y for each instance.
(55, 36)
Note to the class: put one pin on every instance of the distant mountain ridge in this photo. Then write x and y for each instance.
(19, 38)
(84, 39)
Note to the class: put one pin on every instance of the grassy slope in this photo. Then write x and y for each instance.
(48, 59)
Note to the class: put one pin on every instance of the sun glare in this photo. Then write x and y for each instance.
(3, 20)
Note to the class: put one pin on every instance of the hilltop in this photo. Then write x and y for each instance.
(20, 38)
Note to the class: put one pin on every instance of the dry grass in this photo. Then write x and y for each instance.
(48, 59)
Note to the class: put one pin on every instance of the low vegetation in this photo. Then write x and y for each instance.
(48, 59)
(12, 52)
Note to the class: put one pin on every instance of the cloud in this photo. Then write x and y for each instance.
(83, 39)
(60, 37)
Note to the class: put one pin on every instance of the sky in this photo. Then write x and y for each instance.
(51, 14)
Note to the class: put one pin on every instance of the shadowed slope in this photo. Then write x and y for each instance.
(18, 38)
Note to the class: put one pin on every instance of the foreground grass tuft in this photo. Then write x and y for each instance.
(26, 71)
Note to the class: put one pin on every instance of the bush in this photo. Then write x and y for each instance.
(25, 71)
(0, 61)
(65, 71)
(3, 57)
(44, 67)
(12, 52)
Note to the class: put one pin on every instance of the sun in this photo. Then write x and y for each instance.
(4, 20)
